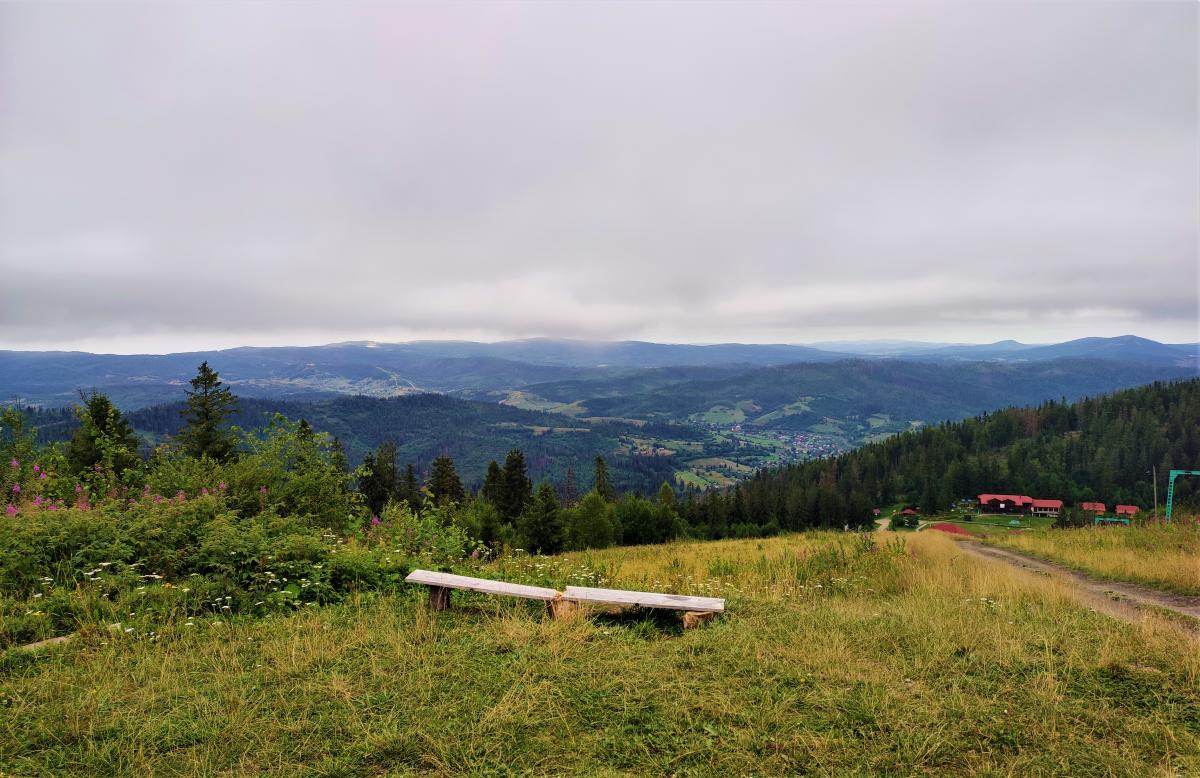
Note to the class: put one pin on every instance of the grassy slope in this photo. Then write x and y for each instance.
(1163, 556)
(831, 660)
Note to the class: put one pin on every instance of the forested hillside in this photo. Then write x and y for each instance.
(1096, 449)
(426, 426)
(800, 395)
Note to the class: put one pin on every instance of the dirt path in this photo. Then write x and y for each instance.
(1125, 601)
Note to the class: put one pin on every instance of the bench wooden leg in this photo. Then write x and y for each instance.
(439, 598)
(693, 619)
(558, 609)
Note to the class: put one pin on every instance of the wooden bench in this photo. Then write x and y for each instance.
(696, 610)
(440, 585)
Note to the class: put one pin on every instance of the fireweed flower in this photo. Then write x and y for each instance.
(78, 488)
(14, 464)
(204, 490)
(374, 521)
(11, 510)
(37, 501)
(221, 486)
(16, 488)
(42, 477)
(37, 468)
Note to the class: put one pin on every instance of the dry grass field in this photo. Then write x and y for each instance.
(838, 655)
(1165, 556)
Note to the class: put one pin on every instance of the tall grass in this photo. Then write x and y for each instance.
(837, 656)
(1165, 556)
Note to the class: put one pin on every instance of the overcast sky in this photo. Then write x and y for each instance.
(177, 176)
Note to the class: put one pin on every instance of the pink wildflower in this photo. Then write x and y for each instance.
(78, 488)
(37, 468)
(51, 507)
(179, 496)
(11, 510)
(262, 490)
(16, 488)
(42, 477)
(374, 521)
(158, 498)
(14, 464)
(37, 501)
(221, 486)
(204, 490)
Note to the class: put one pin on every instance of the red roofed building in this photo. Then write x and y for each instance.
(1005, 503)
(1092, 507)
(1128, 510)
(1047, 507)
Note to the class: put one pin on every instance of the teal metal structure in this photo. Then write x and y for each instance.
(1171, 487)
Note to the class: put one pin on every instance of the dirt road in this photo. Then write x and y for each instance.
(1123, 600)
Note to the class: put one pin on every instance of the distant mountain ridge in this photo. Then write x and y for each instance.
(488, 370)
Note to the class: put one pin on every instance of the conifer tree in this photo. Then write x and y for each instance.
(209, 405)
(104, 438)
(444, 485)
(409, 490)
(570, 493)
(493, 484)
(603, 485)
(378, 486)
(517, 490)
(541, 525)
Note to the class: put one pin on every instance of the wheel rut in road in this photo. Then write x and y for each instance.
(1122, 600)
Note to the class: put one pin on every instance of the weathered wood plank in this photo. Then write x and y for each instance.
(644, 599)
(451, 581)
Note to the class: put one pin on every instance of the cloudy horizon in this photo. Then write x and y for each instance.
(188, 176)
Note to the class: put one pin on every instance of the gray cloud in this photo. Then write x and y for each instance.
(184, 175)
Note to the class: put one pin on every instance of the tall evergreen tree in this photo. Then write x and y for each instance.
(541, 525)
(603, 485)
(209, 406)
(104, 438)
(570, 490)
(517, 490)
(493, 484)
(378, 486)
(409, 490)
(444, 485)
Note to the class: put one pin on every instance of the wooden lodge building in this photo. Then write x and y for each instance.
(1018, 504)
(1024, 504)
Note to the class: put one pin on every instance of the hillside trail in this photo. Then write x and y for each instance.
(1122, 600)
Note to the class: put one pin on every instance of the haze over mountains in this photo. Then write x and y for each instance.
(707, 414)
(51, 378)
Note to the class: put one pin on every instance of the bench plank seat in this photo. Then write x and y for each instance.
(451, 581)
(645, 599)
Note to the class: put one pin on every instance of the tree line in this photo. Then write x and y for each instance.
(1104, 449)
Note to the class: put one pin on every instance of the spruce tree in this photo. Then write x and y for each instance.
(570, 493)
(409, 490)
(517, 490)
(104, 438)
(603, 485)
(209, 405)
(493, 484)
(444, 484)
(541, 525)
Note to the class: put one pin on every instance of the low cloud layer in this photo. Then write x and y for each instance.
(176, 176)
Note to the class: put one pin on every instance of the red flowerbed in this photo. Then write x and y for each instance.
(953, 529)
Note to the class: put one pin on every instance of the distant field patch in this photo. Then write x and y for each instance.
(791, 409)
(720, 414)
(704, 464)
